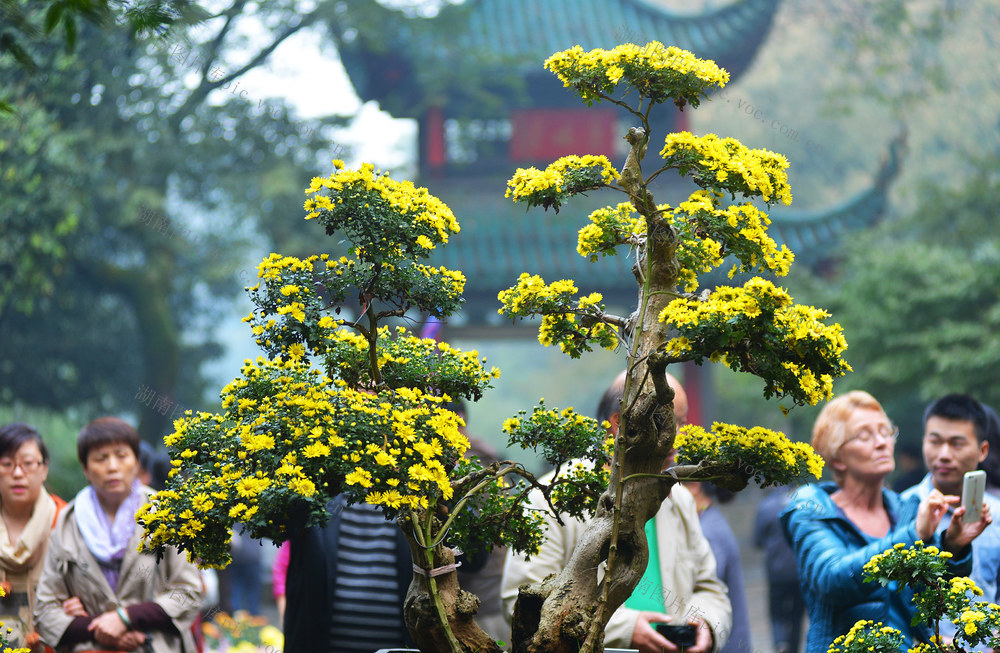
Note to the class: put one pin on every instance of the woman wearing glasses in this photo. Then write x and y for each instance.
(28, 512)
(835, 528)
(97, 592)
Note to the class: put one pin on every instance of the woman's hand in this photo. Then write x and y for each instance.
(960, 535)
(73, 607)
(130, 641)
(930, 512)
(107, 628)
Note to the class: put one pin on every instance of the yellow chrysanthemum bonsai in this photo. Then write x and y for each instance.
(362, 408)
(754, 328)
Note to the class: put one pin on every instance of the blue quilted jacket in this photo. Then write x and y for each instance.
(831, 551)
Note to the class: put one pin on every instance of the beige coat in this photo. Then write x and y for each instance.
(688, 583)
(71, 570)
(21, 567)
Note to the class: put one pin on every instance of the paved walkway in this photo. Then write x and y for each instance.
(740, 513)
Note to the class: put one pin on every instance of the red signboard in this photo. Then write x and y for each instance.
(545, 134)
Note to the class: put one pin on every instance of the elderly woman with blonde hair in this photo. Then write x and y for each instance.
(835, 528)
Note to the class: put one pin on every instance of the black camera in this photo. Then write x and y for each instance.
(683, 636)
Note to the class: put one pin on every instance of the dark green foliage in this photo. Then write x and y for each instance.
(920, 297)
(126, 199)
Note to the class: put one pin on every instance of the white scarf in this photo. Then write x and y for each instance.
(105, 540)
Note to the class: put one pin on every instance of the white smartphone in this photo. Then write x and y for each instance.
(973, 489)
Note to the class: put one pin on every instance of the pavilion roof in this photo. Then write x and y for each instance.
(407, 60)
(531, 30)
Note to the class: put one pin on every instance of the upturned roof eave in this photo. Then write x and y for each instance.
(518, 35)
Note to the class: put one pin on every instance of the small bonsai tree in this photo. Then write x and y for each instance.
(357, 407)
(937, 598)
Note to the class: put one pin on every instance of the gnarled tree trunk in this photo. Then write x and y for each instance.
(558, 614)
(460, 607)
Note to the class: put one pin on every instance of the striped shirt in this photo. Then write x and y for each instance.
(367, 614)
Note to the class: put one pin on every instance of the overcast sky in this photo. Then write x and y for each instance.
(291, 73)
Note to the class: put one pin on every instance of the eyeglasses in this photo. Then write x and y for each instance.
(888, 432)
(29, 465)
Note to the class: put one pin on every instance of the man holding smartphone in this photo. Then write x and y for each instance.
(954, 444)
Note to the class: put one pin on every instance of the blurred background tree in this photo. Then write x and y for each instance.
(23, 28)
(921, 294)
(134, 176)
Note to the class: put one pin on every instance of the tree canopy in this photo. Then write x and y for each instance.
(149, 171)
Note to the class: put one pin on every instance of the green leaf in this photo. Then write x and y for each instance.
(10, 45)
(53, 16)
(70, 27)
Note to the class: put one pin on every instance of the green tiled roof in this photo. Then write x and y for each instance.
(533, 29)
(411, 58)
(500, 240)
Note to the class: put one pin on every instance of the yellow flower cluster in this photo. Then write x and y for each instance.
(289, 432)
(734, 319)
(728, 164)
(806, 379)
(532, 294)
(923, 647)
(960, 585)
(867, 636)
(742, 227)
(658, 72)
(608, 228)
(295, 310)
(348, 337)
(858, 627)
(703, 255)
(938, 594)
(454, 279)
(407, 361)
(554, 302)
(403, 197)
(702, 229)
(727, 301)
(569, 174)
(548, 330)
(970, 620)
(696, 253)
(288, 322)
(340, 265)
(900, 553)
(286, 302)
(275, 266)
(554, 329)
(577, 445)
(756, 452)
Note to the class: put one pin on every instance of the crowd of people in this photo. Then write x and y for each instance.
(76, 581)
